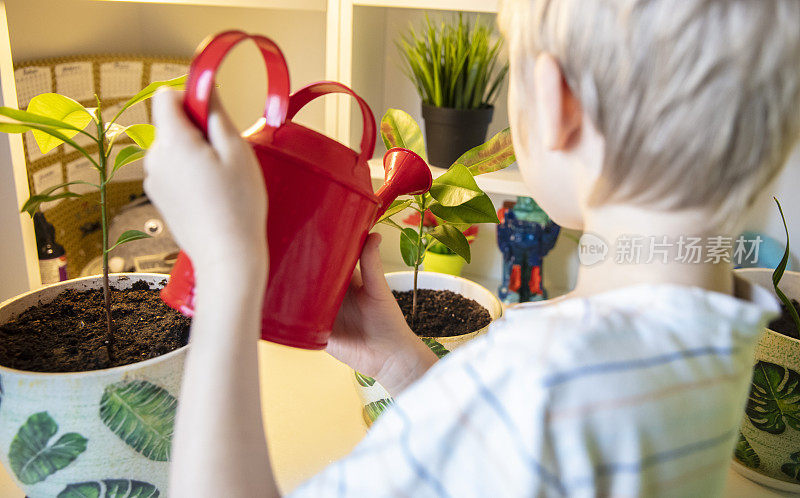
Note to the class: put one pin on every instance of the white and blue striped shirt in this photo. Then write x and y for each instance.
(634, 392)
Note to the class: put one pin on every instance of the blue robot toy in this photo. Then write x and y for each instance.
(525, 235)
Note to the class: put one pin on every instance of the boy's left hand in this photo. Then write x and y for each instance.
(211, 193)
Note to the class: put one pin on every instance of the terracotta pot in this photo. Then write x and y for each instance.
(768, 451)
(373, 396)
(96, 433)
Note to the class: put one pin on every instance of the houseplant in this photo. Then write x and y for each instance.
(454, 67)
(456, 202)
(87, 406)
(768, 449)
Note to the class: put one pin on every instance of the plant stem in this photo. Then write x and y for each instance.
(104, 224)
(416, 265)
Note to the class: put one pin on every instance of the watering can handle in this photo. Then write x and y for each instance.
(204, 67)
(307, 94)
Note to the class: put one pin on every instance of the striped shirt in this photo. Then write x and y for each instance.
(633, 392)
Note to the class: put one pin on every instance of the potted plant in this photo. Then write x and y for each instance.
(768, 449)
(454, 67)
(89, 368)
(440, 258)
(456, 202)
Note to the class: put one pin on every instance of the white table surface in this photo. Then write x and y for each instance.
(315, 418)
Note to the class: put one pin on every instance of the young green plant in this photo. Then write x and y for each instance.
(777, 275)
(55, 119)
(454, 198)
(453, 65)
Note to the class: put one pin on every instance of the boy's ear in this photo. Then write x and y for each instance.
(560, 114)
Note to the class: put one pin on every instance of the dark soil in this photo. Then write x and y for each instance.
(68, 334)
(784, 323)
(442, 313)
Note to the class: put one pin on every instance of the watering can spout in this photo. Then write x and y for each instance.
(406, 173)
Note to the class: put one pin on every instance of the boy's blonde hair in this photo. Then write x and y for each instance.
(698, 100)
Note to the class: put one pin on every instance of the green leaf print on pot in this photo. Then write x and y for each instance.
(792, 469)
(438, 349)
(29, 456)
(363, 380)
(142, 414)
(746, 454)
(774, 399)
(374, 409)
(110, 488)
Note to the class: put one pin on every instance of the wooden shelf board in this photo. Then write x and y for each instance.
(504, 182)
(458, 5)
(314, 5)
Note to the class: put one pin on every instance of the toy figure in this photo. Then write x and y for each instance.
(525, 235)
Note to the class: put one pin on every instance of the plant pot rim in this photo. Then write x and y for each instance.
(795, 274)
(430, 106)
(471, 282)
(90, 373)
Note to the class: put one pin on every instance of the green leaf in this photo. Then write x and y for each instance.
(455, 187)
(127, 155)
(391, 223)
(746, 454)
(178, 83)
(60, 108)
(373, 410)
(777, 275)
(439, 350)
(110, 488)
(395, 208)
(22, 127)
(774, 400)
(29, 455)
(409, 246)
(363, 380)
(494, 155)
(398, 129)
(142, 414)
(478, 210)
(34, 201)
(453, 239)
(142, 134)
(792, 469)
(129, 236)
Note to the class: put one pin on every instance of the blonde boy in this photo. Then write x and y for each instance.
(648, 118)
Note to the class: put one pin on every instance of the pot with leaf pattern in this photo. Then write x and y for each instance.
(374, 397)
(94, 433)
(768, 448)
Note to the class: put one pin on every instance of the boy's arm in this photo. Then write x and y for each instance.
(219, 447)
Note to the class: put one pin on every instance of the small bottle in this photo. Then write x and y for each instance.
(52, 258)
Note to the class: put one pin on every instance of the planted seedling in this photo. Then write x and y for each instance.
(454, 199)
(55, 119)
(777, 275)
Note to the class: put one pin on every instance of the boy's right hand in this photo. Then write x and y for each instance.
(370, 333)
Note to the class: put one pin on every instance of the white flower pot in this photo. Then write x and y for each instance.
(374, 397)
(768, 451)
(96, 433)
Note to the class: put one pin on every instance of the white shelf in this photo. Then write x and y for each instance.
(504, 182)
(313, 5)
(460, 5)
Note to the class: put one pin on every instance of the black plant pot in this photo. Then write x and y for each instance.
(451, 132)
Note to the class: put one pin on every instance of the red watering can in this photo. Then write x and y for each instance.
(321, 204)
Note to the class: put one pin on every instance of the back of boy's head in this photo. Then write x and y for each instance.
(698, 100)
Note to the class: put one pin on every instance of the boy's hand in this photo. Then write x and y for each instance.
(212, 195)
(370, 333)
